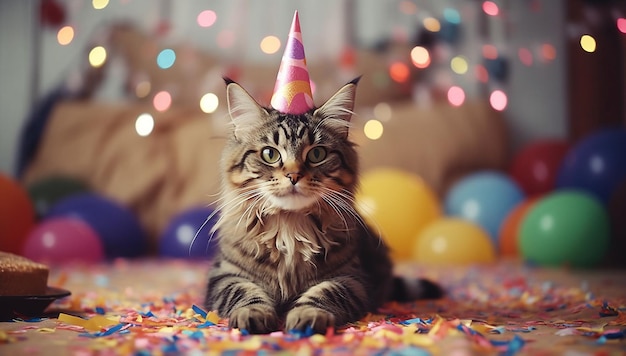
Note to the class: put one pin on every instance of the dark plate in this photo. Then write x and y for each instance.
(29, 305)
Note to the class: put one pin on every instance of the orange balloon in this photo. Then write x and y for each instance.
(509, 230)
(17, 215)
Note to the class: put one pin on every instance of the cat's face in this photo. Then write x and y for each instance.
(290, 162)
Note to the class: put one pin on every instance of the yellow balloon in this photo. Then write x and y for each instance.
(453, 241)
(397, 204)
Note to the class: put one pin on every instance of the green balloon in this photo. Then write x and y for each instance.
(45, 192)
(567, 227)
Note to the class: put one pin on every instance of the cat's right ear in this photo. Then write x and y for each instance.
(244, 111)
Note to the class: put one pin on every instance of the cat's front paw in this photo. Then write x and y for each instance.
(301, 318)
(254, 319)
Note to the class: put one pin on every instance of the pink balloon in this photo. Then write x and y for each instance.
(61, 240)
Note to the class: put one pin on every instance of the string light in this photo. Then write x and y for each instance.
(270, 44)
(491, 8)
(209, 103)
(498, 100)
(525, 56)
(166, 58)
(142, 89)
(206, 18)
(144, 124)
(383, 112)
(373, 129)
(399, 72)
(548, 52)
(97, 56)
(621, 24)
(65, 35)
(459, 65)
(432, 24)
(451, 15)
(588, 43)
(162, 101)
(99, 4)
(456, 96)
(420, 57)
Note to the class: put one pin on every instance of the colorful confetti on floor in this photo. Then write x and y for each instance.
(154, 307)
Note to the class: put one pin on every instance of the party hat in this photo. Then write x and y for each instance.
(292, 91)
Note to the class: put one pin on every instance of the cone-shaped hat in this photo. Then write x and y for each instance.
(292, 92)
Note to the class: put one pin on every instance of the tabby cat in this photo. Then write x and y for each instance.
(293, 251)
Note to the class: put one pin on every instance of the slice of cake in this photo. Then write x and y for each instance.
(21, 276)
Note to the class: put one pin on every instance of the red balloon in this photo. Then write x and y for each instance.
(536, 166)
(17, 215)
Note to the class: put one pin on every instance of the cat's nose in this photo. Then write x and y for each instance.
(294, 177)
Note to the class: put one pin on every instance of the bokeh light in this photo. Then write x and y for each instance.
(99, 4)
(491, 8)
(452, 15)
(144, 124)
(97, 56)
(143, 88)
(383, 112)
(621, 24)
(420, 57)
(525, 56)
(166, 58)
(588, 43)
(162, 101)
(456, 96)
(206, 18)
(432, 24)
(270, 44)
(209, 103)
(399, 72)
(548, 52)
(490, 51)
(373, 129)
(407, 7)
(225, 39)
(65, 35)
(482, 74)
(498, 100)
(459, 65)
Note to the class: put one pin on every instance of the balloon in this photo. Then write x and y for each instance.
(178, 238)
(398, 203)
(596, 164)
(60, 240)
(47, 191)
(453, 241)
(509, 231)
(485, 198)
(119, 229)
(17, 215)
(567, 227)
(536, 165)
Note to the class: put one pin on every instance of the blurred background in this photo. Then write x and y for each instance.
(124, 99)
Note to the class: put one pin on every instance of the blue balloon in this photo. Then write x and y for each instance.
(596, 164)
(485, 198)
(188, 235)
(119, 229)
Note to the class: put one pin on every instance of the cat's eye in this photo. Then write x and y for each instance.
(316, 154)
(270, 155)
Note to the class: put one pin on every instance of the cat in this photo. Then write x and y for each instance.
(294, 253)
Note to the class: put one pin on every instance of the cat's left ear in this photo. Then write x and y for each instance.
(244, 111)
(337, 111)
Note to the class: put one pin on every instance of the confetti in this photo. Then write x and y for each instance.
(502, 310)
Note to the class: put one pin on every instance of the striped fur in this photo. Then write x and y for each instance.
(294, 252)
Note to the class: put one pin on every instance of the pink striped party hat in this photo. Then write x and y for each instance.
(292, 91)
